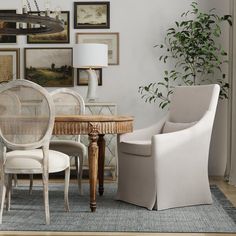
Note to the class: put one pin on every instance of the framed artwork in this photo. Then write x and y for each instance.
(7, 39)
(61, 37)
(49, 67)
(9, 64)
(82, 77)
(92, 15)
(111, 39)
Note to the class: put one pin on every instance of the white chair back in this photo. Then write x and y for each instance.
(68, 102)
(189, 103)
(25, 130)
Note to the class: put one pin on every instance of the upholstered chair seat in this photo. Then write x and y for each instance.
(28, 160)
(69, 147)
(137, 147)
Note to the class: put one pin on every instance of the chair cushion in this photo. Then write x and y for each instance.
(138, 147)
(26, 160)
(69, 147)
(173, 127)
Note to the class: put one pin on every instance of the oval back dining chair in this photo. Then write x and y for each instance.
(69, 102)
(28, 135)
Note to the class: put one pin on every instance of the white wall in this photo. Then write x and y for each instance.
(141, 25)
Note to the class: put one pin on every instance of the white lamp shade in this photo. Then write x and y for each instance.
(90, 55)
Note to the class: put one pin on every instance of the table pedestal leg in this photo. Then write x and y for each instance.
(93, 169)
(101, 162)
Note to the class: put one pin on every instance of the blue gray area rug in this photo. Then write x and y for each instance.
(27, 214)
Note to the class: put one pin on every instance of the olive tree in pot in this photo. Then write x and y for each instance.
(193, 45)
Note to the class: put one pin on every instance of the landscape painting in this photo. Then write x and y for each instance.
(7, 39)
(61, 37)
(92, 15)
(49, 67)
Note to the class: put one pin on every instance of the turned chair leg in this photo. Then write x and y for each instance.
(79, 172)
(9, 190)
(3, 193)
(15, 180)
(46, 198)
(66, 192)
(31, 184)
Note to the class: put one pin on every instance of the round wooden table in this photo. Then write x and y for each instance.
(95, 126)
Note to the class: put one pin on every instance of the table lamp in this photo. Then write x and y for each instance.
(90, 55)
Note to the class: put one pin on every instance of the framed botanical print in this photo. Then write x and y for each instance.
(7, 39)
(61, 37)
(111, 39)
(82, 76)
(9, 64)
(92, 15)
(49, 67)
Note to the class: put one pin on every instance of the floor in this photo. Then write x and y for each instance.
(228, 190)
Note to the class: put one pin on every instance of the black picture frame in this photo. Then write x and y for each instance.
(49, 70)
(63, 37)
(8, 39)
(82, 76)
(89, 12)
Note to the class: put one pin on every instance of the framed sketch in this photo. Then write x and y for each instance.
(92, 15)
(61, 37)
(7, 39)
(111, 39)
(9, 64)
(49, 67)
(82, 77)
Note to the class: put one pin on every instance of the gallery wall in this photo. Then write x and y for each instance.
(141, 25)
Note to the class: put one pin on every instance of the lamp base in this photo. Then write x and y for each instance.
(92, 85)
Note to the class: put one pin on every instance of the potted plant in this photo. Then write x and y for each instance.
(192, 44)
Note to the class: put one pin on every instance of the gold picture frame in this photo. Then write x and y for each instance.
(9, 64)
(111, 39)
(56, 38)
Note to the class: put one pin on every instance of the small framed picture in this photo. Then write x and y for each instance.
(111, 39)
(49, 67)
(61, 37)
(82, 77)
(9, 64)
(7, 39)
(92, 15)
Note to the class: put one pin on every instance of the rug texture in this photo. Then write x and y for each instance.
(27, 214)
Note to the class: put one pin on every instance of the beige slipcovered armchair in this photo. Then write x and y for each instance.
(166, 165)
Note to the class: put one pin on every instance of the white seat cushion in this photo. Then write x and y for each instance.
(136, 147)
(69, 147)
(27, 160)
(173, 127)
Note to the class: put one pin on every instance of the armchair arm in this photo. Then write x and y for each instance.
(181, 165)
(190, 146)
(145, 133)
